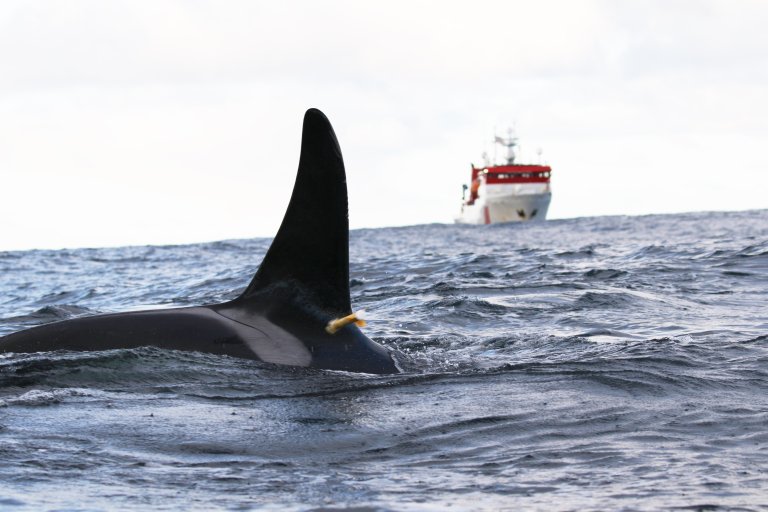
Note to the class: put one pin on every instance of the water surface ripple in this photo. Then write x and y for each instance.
(613, 363)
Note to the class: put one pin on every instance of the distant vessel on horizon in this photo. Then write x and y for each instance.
(509, 192)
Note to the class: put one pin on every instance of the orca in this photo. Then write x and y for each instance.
(300, 288)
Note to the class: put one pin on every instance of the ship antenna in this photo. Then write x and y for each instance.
(494, 146)
(510, 142)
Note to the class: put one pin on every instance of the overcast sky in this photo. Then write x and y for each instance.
(136, 122)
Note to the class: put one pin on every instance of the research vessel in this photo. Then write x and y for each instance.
(507, 192)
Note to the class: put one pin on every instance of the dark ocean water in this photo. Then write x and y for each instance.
(614, 363)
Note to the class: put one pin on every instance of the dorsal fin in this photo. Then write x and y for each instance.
(311, 248)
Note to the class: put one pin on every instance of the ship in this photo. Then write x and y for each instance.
(508, 192)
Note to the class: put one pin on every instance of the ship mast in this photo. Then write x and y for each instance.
(509, 142)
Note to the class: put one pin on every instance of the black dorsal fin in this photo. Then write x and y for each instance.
(311, 248)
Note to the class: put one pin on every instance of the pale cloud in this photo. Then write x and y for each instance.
(171, 121)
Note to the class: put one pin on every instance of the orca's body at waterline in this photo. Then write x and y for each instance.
(281, 317)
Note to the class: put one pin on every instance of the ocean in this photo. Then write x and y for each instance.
(607, 363)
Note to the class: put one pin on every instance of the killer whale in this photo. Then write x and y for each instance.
(301, 285)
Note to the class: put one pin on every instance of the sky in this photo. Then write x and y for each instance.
(163, 121)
